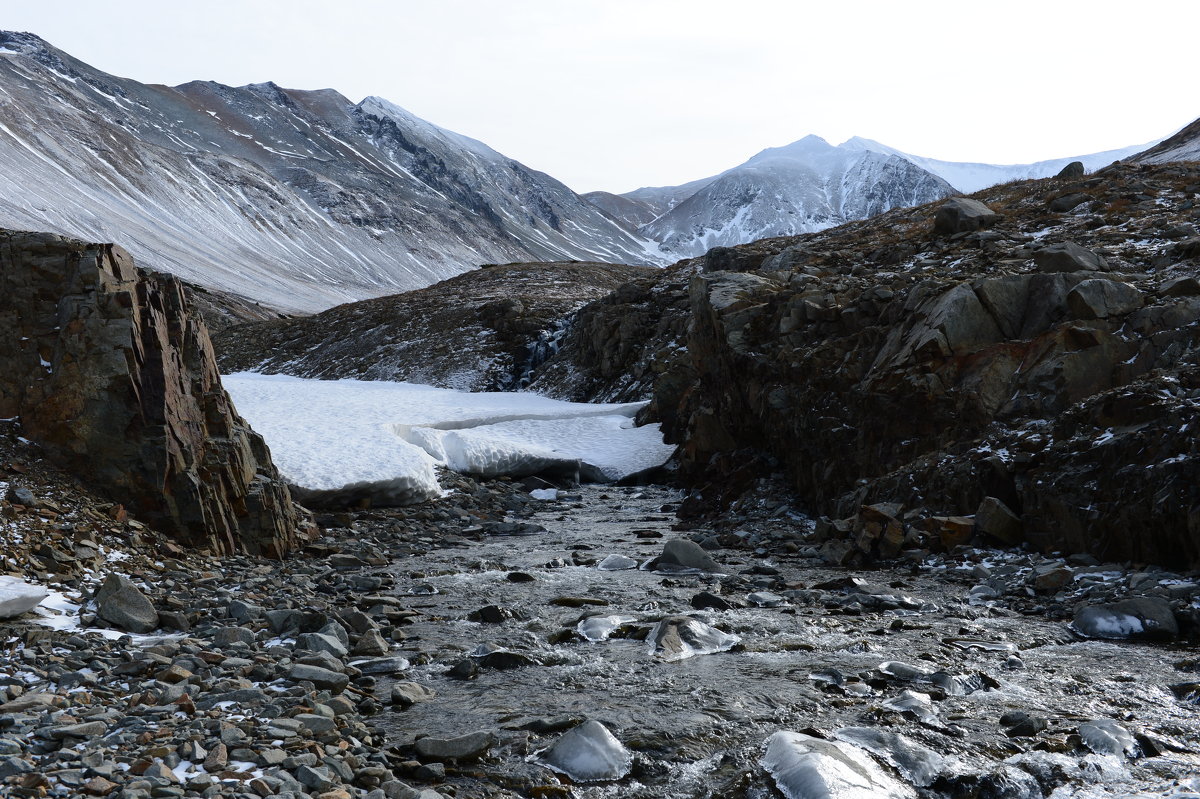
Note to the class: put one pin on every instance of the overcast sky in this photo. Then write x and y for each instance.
(617, 94)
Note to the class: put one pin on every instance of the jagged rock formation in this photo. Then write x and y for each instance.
(1048, 362)
(297, 199)
(480, 331)
(112, 372)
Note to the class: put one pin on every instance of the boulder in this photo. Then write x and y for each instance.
(1142, 617)
(1072, 170)
(682, 554)
(1099, 299)
(121, 603)
(1066, 202)
(465, 747)
(1068, 257)
(962, 215)
(994, 518)
(112, 372)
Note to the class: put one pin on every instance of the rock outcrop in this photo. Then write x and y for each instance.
(1047, 365)
(112, 372)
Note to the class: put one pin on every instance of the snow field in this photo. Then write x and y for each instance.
(384, 440)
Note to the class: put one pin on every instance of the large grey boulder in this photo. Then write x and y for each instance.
(1068, 257)
(680, 554)
(465, 747)
(962, 215)
(1099, 299)
(1136, 618)
(122, 604)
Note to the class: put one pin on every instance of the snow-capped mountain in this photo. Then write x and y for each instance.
(970, 177)
(298, 199)
(804, 187)
(1183, 146)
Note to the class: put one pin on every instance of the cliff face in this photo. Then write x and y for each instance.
(112, 372)
(1043, 356)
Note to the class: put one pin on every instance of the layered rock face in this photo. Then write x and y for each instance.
(1043, 362)
(112, 372)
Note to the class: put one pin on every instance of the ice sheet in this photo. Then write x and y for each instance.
(385, 439)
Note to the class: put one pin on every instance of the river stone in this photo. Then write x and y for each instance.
(1136, 618)
(383, 665)
(805, 767)
(681, 553)
(319, 642)
(121, 603)
(326, 679)
(407, 694)
(588, 753)
(1107, 737)
(465, 747)
(679, 637)
(18, 596)
(233, 636)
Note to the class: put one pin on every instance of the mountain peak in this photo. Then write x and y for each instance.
(22, 43)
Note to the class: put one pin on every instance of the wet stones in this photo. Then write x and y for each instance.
(122, 604)
(681, 554)
(1138, 618)
(1019, 724)
(680, 637)
(462, 748)
(406, 694)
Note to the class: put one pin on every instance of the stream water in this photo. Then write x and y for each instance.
(905, 650)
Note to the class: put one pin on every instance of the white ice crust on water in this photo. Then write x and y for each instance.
(588, 753)
(599, 628)
(919, 764)
(1107, 623)
(1107, 737)
(386, 438)
(616, 563)
(18, 596)
(547, 494)
(805, 767)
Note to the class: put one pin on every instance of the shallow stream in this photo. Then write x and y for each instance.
(899, 651)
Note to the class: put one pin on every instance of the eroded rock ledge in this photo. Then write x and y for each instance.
(112, 372)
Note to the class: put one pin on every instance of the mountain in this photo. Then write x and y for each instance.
(630, 212)
(804, 187)
(1183, 146)
(298, 199)
(971, 177)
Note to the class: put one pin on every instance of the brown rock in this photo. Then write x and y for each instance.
(112, 372)
(994, 518)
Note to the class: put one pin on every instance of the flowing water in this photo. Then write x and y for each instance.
(900, 651)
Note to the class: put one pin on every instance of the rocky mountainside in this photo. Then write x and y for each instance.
(297, 199)
(631, 213)
(1183, 146)
(1031, 366)
(111, 371)
(806, 186)
(480, 331)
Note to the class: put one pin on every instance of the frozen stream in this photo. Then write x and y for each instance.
(898, 651)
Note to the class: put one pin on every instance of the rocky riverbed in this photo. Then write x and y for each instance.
(493, 644)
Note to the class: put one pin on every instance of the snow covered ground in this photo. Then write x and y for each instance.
(383, 440)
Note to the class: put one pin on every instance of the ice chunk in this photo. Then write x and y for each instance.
(1107, 737)
(544, 493)
(614, 563)
(588, 753)
(919, 704)
(679, 637)
(809, 768)
(1137, 617)
(919, 765)
(599, 628)
(18, 596)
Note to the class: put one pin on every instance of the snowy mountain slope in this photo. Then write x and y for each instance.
(1183, 146)
(970, 177)
(632, 213)
(298, 199)
(806, 186)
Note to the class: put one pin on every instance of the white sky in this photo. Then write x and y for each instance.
(617, 94)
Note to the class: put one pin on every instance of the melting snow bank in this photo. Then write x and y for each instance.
(337, 440)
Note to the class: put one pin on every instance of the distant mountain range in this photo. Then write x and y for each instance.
(299, 199)
(806, 186)
(303, 199)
